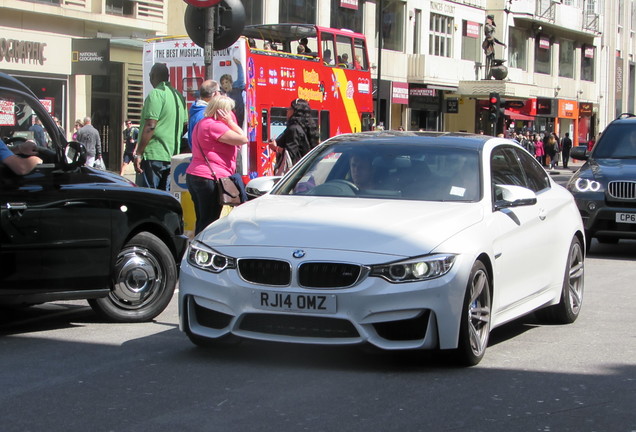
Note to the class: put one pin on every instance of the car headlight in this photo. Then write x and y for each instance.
(415, 269)
(205, 258)
(586, 185)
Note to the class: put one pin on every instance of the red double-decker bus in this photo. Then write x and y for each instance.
(265, 70)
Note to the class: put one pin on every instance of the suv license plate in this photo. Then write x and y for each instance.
(625, 217)
(288, 302)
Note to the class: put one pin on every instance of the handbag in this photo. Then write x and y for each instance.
(285, 163)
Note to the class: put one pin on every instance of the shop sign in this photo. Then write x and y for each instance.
(544, 42)
(545, 107)
(22, 51)
(400, 93)
(471, 29)
(618, 74)
(452, 106)
(420, 91)
(443, 7)
(585, 109)
(568, 109)
(7, 113)
(90, 56)
(589, 52)
(349, 4)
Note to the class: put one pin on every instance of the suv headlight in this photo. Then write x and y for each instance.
(205, 258)
(586, 185)
(415, 269)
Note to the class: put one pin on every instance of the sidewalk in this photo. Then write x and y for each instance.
(573, 166)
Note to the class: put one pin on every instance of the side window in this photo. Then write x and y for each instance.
(360, 60)
(344, 53)
(536, 177)
(328, 49)
(505, 168)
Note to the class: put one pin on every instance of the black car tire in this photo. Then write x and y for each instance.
(475, 319)
(569, 306)
(144, 280)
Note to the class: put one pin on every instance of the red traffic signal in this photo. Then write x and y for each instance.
(203, 3)
(494, 108)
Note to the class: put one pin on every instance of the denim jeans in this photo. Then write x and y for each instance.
(206, 201)
(155, 175)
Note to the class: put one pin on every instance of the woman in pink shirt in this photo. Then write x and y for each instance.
(215, 140)
(539, 151)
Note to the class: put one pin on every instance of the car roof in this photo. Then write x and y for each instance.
(455, 139)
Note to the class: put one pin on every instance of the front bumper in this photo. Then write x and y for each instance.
(390, 316)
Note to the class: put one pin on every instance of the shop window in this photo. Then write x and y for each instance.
(471, 41)
(393, 25)
(542, 54)
(47, 2)
(253, 12)
(120, 7)
(297, 11)
(441, 36)
(346, 17)
(518, 49)
(566, 58)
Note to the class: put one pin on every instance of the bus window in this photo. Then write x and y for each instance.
(360, 60)
(328, 49)
(264, 125)
(278, 122)
(344, 55)
(324, 125)
(367, 122)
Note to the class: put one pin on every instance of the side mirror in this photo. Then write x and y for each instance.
(260, 186)
(507, 196)
(579, 152)
(74, 155)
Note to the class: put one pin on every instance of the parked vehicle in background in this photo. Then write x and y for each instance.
(70, 232)
(404, 240)
(605, 186)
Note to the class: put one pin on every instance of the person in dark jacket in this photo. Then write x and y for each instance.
(566, 146)
(300, 136)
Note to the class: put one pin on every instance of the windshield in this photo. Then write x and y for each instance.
(393, 171)
(617, 142)
(18, 120)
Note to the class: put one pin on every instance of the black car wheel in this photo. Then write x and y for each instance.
(569, 306)
(144, 281)
(475, 319)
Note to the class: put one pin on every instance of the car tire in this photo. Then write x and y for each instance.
(475, 319)
(144, 280)
(569, 306)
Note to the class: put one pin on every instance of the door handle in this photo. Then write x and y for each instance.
(543, 214)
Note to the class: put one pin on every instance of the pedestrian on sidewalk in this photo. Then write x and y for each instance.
(566, 145)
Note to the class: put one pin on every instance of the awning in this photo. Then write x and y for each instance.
(518, 116)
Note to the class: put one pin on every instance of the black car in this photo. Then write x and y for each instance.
(71, 232)
(605, 186)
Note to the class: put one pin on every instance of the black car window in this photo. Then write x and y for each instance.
(536, 177)
(617, 142)
(18, 120)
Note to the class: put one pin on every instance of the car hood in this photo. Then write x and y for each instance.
(401, 228)
(612, 169)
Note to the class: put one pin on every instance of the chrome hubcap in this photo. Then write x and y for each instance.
(138, 278)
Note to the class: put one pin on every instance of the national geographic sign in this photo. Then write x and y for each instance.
(90, 56)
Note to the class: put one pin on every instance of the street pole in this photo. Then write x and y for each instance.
(380, 37)
(208, 50)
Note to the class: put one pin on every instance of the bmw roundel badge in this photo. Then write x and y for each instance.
(298, 253)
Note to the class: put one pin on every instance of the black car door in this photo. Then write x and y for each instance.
(54, 232)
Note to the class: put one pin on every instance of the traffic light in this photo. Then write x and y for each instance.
(494, 107)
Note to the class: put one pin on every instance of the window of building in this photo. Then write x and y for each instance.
(120, 7)
(47, 2)
(297, 11)
(253, 12)
(518, 48)
(393, 26)
(417, 32)
(471, 40)
(347, 14)
(542, 54)
(566, 58)
(441, 36)
(587, 63)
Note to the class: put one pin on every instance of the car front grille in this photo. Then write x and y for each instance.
(298, 326)
(328, 275)
(265, 272)
(622, 189)
(310, 274)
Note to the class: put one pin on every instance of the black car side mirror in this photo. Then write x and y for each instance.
(579, 152)
(74, 155)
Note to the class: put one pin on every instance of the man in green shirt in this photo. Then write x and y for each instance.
(162, 119)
